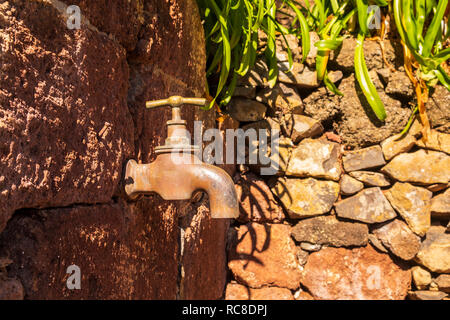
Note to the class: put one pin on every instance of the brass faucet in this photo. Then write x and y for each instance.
(177, 171)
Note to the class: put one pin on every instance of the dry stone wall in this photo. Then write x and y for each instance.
(355, 211)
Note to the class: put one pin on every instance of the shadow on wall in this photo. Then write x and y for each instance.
(249, 257)
(257, 204)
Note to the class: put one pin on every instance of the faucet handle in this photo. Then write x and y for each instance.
(175, 102)
(177, 133)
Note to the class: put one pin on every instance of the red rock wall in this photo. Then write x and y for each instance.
(71, 114)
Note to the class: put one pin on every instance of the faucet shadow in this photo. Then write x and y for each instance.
(258, 204)
(256, 210)
(250, 257)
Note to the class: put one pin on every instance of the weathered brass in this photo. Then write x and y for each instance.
(177, 173)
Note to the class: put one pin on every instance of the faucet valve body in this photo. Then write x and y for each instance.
(177, 135)
(178, 181)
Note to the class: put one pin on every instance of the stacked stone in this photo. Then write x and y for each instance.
(334, 223)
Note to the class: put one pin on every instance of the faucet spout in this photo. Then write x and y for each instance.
(178, 181)
(220, 189)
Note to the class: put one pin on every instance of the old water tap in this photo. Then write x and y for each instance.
(177, 171)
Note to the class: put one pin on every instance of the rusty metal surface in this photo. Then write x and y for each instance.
(178, 181)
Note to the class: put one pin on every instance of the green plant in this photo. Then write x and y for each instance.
(231, 28)
(361, 72)
(423, 47)
(328, 18)
(329, 34)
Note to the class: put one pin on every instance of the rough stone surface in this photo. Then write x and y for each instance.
(440, 205)
(322, 105)
(246, 110)
(310, 247)
(315, 158)
(124, 24)
(436, 140)
(371, 179)
(256, 201)
(311, 57)
(280, 160)
(59, 145)
(303, 295)
(245, 92)
(327, 230)
(266, 129)
(293, 43)
(367, 158)
(437, 187)
(277, 160)
(377, 244)
(373, 74)
(435, 252)
(350, 186)
(266, 124)
(399, 239)
(397, 144)
(101, 240)
(438, 109)
(4, 262)
(436, 227)
(331, 136)
(335, 75)
(426, 295)
(223, 126)
(72, 102)
(413, 204)
(297, 76)
(400, 85)
(302, 256)
(281, 99)
(384, 74)
(355, 274)
(298, 127)
(257, 76)
(369, 206)
(421, 167)
(204, 255)
(265, 255)
(236, 291)
(443, 282)
(304, 77)
(11, 289)
(421, 277)
(306, 197)
(357, 124)
(433, 286)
